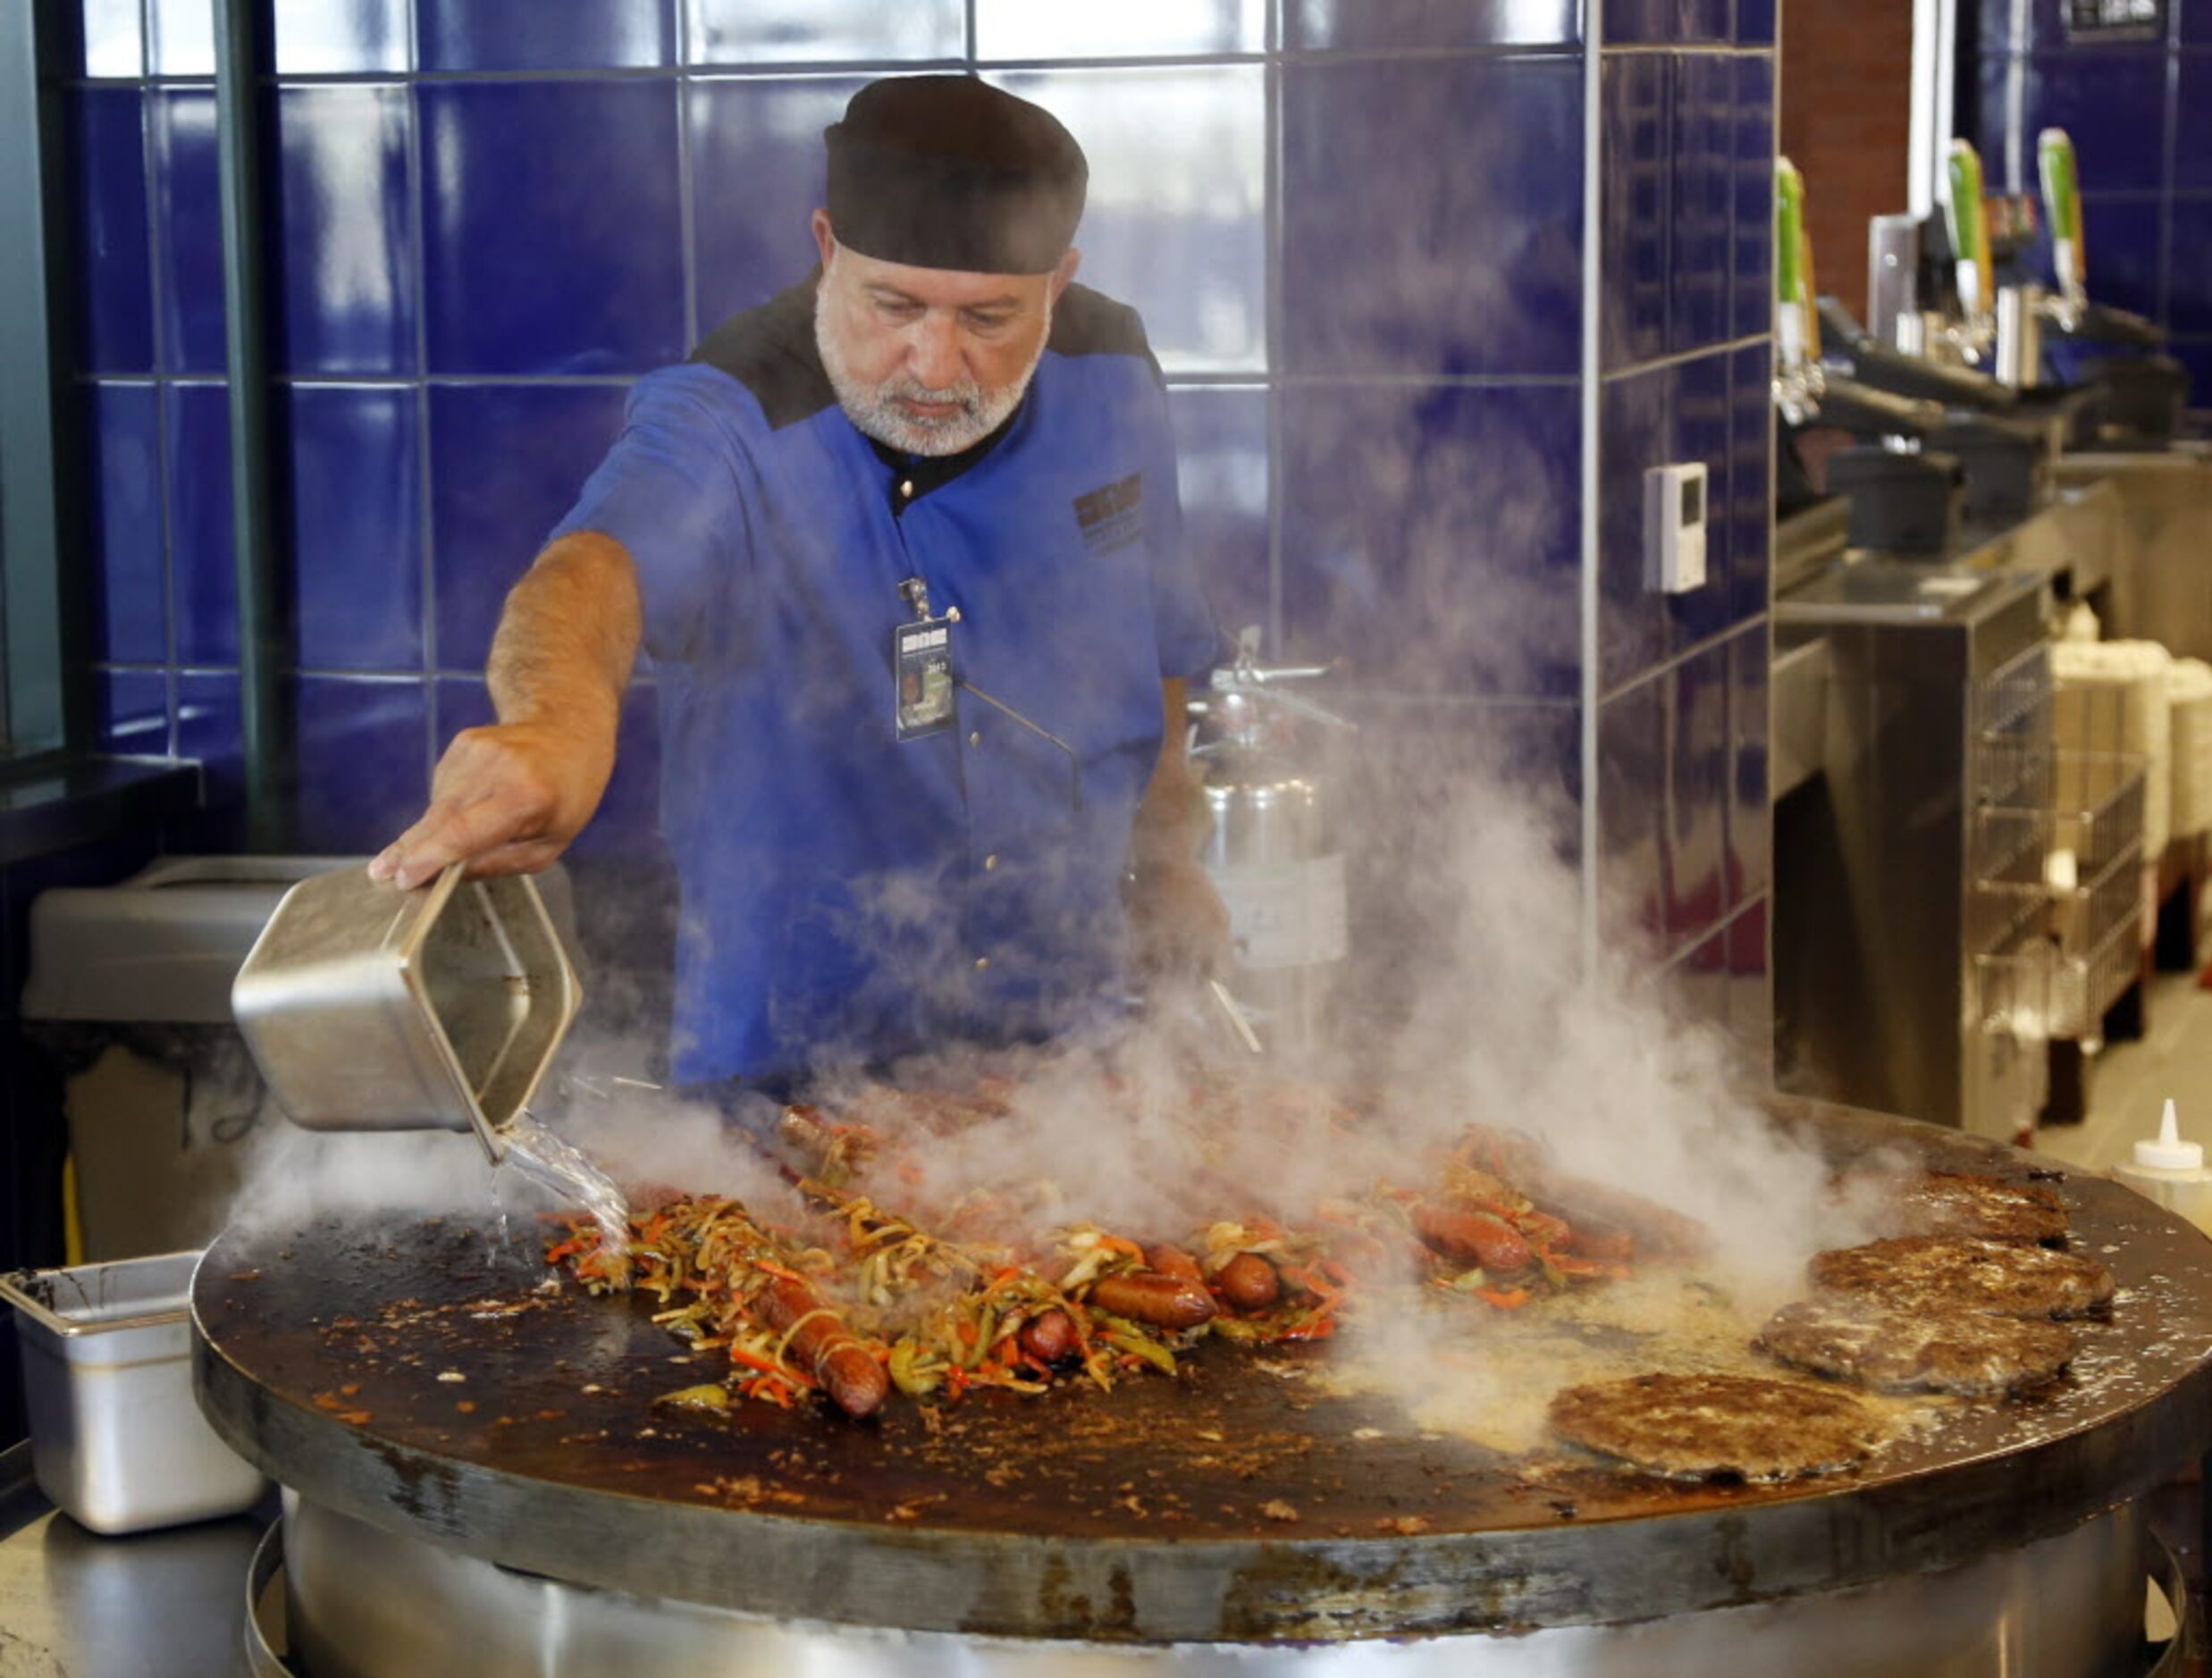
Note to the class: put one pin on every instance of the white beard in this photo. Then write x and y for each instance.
(874, 408)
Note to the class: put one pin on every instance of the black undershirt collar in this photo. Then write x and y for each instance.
(913, 476)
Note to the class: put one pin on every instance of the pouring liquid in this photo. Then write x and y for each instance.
(535, 1153)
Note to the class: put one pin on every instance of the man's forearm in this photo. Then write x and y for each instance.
(568, 637)
(1171, 818)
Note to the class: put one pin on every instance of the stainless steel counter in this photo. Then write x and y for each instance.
(161, 1605)
(2161, 587)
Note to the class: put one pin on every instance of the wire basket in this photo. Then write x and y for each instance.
(2085, 897)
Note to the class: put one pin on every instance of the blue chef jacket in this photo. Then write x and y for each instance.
(849, 896)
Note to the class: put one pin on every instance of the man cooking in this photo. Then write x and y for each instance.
(904, 546)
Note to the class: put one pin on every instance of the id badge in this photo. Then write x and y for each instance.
(922, 664)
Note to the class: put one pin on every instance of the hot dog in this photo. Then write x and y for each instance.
(848, 1372)
(1164, 1302)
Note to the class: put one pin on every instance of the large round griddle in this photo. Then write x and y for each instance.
(1240, 1503)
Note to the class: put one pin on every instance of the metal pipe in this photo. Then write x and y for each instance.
(264, 727)
(42, 675)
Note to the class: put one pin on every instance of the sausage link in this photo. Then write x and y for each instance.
(1049, 1336)
(1471, 1238)
(1164, 1302)
(1170, 1260)
(1249, 1283)
(1657, 1231)
(848, 1372)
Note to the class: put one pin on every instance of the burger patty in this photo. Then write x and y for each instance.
(1956, 1272)
(1961, 1203)
(1707, 1427)
(1854, 1339)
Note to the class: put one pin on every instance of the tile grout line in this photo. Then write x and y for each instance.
(1274, 165)
(686, 183)
(1591, 395)
(427, 564)
(150, 116)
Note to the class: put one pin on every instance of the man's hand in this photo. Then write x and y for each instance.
(1177, 919)
(506, 800)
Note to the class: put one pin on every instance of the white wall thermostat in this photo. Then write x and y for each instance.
(1674, 527)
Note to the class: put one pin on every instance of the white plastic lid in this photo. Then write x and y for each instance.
(2169, 1153)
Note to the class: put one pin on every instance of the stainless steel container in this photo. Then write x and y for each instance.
(116, 1440)
(2019, 336)
(369, 1008)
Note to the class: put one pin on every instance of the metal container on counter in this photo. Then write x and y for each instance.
(1271, 847)
(369, 1008)
(116, 1440)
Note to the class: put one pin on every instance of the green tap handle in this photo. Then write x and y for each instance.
(1964, 208)
(1795, 323)
(2062, 207)
(1789, 232)
(1967, 213)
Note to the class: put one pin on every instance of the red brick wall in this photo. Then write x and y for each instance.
(1846, 102)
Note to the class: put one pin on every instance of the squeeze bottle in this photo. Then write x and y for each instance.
(2171, 1172)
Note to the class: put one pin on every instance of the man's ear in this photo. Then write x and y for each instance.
(1063, 272)
(825, 240)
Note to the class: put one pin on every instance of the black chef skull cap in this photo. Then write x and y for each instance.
(947, 172)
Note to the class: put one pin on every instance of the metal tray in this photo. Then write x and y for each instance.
(369, 1008)
(117, 1438)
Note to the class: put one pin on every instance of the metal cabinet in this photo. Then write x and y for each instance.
(1909, 976)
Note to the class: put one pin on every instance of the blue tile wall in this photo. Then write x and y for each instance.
(1750, 862)
(342, 37)
(1221, 444)
(2140, 115)
(533, 265)
(1356, 232)
(134, 713)
(187, 262)
(113, 39)
(508, 461)
(353, 455)
(1420, 520)
(1470, 261)
(887, 32)
(203, 586)
(756, 176)
(123, 461)
(481, 34)
(1194, 261)
(1365, 25)
(1022, 28)
(362, 749)
(1751, 285)
(116, 320)
(346, 259)
(1684, 831)
(180, 37)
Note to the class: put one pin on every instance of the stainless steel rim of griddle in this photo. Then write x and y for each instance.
(1993, 1477)
(362, 1603)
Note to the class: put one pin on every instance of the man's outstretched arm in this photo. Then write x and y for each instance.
(508, 799)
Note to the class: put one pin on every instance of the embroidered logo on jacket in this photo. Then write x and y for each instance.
(1112, 517)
